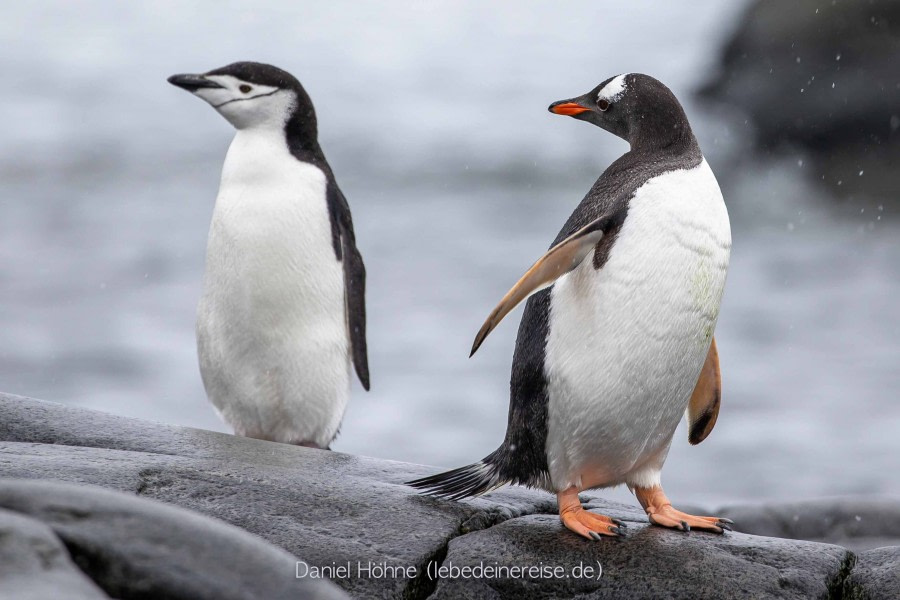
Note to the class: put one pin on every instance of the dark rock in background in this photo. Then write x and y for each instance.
(823, 76)
(332, 509)
(855, 523)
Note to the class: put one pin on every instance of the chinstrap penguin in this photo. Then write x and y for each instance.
(282, 314)
(620, 346)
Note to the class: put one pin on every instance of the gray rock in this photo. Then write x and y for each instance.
(326, 507)
(35, 565)
(649, 563)
(336, 510)
(855, 523)
(821, 75)
(876, 576)
(136, 548)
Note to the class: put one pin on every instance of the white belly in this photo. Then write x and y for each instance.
(271, 328)
(627, 342)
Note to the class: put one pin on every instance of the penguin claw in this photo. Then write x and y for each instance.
(726, 521)
(589, 525)
(662, 513)
(620, 523)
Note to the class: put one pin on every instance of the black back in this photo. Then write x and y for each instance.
(301, 134)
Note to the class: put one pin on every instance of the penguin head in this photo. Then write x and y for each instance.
(635, 107)
(250, 94)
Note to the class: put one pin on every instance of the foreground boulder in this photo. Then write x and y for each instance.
(34, 563)
(877, 575)
(136, 548)
(350, 518)
(651, 563)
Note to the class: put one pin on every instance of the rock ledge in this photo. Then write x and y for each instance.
(348, 517)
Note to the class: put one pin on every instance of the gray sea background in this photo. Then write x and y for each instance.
(433, 116)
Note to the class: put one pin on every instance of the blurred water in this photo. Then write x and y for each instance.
(434, 118)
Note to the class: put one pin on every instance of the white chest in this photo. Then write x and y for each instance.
(268, 199)
(271, 325)
(270, 237)
(627, 342)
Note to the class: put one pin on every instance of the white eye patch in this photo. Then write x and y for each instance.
(245, 104)
(231, 92)
(613, 90)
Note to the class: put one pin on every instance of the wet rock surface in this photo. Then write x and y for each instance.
(352, 518)
(328, 509)
(136, 548)
(649, 563)
(876, 575)
(34, 563)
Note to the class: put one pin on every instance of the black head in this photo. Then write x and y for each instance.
(251, 94)
(635, 107)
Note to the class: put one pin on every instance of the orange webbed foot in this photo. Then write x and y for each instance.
(586, 524)
(662, 513)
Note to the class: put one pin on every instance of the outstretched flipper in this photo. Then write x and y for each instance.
(559, 260)
(703, 408)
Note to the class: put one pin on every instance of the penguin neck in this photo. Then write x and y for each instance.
(662, 129)
(679, 151)
(259, 151)
(301, 135)
(671, 140)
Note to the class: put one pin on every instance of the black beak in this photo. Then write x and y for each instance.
(192, 83)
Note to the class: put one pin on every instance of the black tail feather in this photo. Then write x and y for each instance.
(464, 482)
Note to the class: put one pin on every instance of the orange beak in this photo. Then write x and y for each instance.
(569, 109)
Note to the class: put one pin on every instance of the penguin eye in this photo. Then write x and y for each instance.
(603, 104)
(245, 88)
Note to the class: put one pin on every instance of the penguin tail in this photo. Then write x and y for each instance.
(472, 480)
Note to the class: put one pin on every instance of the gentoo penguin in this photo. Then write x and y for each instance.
(282, 313)
(616, 341)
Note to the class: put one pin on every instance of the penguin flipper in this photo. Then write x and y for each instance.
(354, 281)
(703, 408)
(559, 260)
(355, 286)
